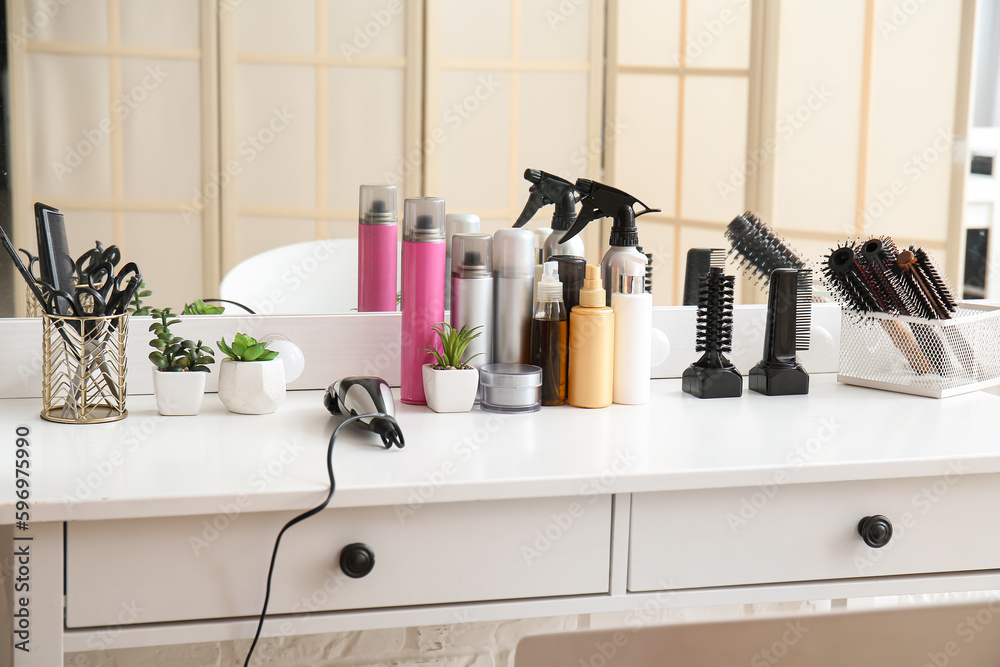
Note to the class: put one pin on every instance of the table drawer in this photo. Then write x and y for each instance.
(182, 568)
(809, 532)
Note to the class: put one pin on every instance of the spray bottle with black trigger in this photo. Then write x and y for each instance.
(548, 189)
(603, 201)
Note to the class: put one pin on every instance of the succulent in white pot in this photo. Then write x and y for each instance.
(251, 378)
(180, 367)
(450, 384)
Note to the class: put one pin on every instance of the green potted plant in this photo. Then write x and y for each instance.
(180, 367)
(450, 384)
(251, 378)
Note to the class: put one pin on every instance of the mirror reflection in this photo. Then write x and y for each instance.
(221, 141)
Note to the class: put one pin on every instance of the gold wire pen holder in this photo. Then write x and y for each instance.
(31, 306)
(83, 368)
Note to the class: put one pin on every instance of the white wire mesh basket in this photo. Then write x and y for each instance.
(936, 358)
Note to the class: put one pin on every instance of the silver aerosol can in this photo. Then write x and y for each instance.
(472, 292)
(513, 286)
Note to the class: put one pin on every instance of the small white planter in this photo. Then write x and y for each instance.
(178, 392)
(252, 387)
(450, 390)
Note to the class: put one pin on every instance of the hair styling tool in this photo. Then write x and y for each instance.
(548, 189)
(22, 269)
(54, 261)
(699, 262)
(377, 392)
(787, 331)
(759, 249)
(354, 396)
(713, 375)
(865, 280)
(649, 268)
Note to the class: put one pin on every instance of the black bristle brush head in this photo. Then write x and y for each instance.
(713, 375)
(937, 281)
(846, 282)
(759, 249)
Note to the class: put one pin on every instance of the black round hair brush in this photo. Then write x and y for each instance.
(713, 375)
(759, 249)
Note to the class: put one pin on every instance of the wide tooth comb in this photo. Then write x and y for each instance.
(803, 309)
(759, 248)
(699, 261)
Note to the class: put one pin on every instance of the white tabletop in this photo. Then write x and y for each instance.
(148, 465)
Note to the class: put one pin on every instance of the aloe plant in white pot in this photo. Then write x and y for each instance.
(180, 367)
(251, 378)
(450, 384)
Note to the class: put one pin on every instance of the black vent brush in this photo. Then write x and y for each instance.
(759, 249)
(699, 261)
(789, 313)
(713, 375)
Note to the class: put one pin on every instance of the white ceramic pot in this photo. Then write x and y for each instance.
(450, 390)
(178, 392)
(252, 387)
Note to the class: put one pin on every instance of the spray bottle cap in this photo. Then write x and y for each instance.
(592, 295)
(549, 287)
(423, 219)
(377, 205)
(472, 256)
(514, 253)
(623, 230)
(633, 278)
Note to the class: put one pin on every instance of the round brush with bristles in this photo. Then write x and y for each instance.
(759, 249)
(853, 287)
(713, 375)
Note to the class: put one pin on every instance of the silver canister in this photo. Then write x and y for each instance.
(472, 292)
(513, 285)
(613, 266)
(456, 223)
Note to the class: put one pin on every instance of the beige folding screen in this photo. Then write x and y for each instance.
(511, 84)
(112, 106)
(317, 97)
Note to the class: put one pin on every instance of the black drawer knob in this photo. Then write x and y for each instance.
(875, 530)
(357, 560)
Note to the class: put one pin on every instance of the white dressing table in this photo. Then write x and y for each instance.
(167, 524)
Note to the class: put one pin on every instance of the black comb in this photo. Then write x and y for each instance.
(699, 261)
(787, 330)
(759, 248)
(713, 375)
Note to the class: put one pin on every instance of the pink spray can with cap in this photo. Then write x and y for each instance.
(423, 290)
(377, 248)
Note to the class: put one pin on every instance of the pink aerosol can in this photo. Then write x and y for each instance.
(377, 249)
(423, 290)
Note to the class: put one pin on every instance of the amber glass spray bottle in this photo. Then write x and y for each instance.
(548, 336)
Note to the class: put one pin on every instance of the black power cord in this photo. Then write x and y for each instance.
(302, 517)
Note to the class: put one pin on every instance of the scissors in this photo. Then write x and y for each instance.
(84, 302)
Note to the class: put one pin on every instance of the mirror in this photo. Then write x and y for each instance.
(197, 135)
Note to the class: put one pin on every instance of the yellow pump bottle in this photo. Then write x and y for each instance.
(591, 346)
